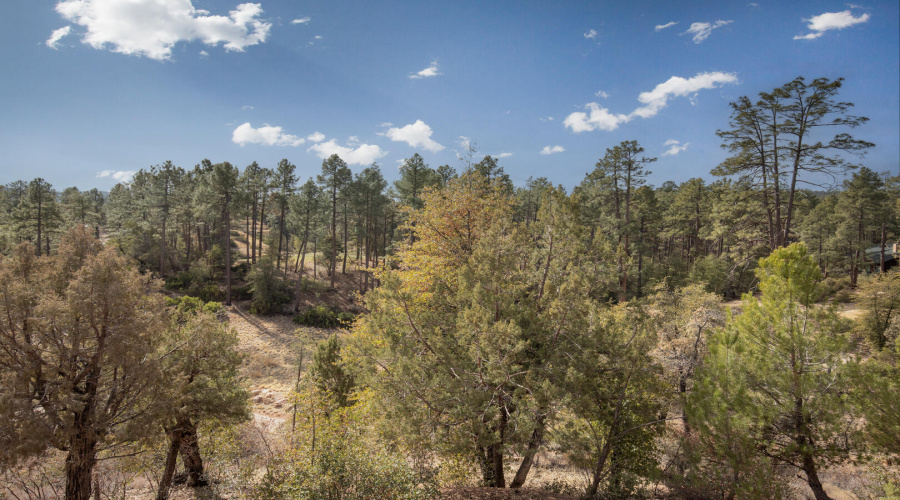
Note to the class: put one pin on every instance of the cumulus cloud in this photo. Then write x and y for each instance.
(265, 135)
(592, 34)
(829, 21)
(598, 119)
(151, 28)
(428, 72)
(302, 20)
(701, 31)
(601, 94)
(362, 154)
(56, 36)
(653, 101)
(660, 27)
(675, 147)
(417, 135)
(316, 137)
(549, 150)
(119, 175)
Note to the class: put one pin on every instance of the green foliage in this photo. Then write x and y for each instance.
(186, 305)
(879, 299)
(330, 374)
(775, 380)
(336, 460)
(324, 317)
(268, 287)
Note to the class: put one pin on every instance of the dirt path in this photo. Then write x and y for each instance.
(270, 346)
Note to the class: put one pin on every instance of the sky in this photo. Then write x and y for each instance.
(93, 90)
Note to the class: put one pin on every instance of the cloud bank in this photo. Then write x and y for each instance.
(150, 28)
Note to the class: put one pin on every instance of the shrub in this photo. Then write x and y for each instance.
(342, 463)
(324, 317)
(188, 304)
(267, 287)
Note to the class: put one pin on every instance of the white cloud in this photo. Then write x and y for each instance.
(151, 28)
(204, 53)
(598, 119)
(316, 137)
(502, 155)
(265, 135)
(831, 21)
(660, 27)
(601, 94)
(303, 20)
(417, 135)
(701, 31)
(676, 147)
(654, 100)
(547, 119)
(676, 86)
(428, 72)
(549, 150)
(364, 154)
(56, 36)
(245, 108)
(119, 175)
(592, 34)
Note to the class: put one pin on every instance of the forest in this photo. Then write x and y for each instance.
(730, 337)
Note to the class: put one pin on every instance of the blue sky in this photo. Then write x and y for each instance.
(95, 89)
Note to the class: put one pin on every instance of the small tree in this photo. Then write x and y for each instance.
(201, 369)
(792, 377)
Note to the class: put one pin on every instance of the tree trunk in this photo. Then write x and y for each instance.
(534, 444)
(175, 438)
(190, 455)
(80, 465)
(251, 237)
(300, 276)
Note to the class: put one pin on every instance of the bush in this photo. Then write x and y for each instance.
(324, 317)
(267, 287)
(343, 464)
(188, 304)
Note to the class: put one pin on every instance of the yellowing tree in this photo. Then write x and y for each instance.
(469, 334)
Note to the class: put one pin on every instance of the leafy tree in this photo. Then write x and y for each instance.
(415, 176)
(37, 214)
(285, 180)
(791, 375)
(613, 389)
(862, 207)
(609, 190)
(469, 332)
(77, 363)
(683, 319)
(775, 141)
(334, 177)
(217, 193)
(203, 384)
(329, 373)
